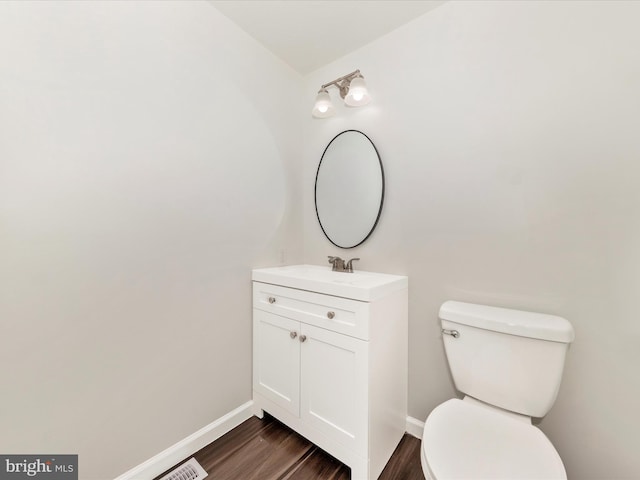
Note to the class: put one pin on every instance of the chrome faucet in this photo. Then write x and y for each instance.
(349, 266)
(339, 264)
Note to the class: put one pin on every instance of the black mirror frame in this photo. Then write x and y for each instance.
(315, 190)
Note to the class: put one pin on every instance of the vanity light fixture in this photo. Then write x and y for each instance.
(352, 89)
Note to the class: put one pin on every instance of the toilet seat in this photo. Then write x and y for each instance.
(465, 439)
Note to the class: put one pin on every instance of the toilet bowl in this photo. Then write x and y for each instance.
(509, 365)
(465, 440)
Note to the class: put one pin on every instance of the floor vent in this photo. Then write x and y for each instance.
(190, 470)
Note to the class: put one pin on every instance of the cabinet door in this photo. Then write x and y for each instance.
(276, 359)
(334, 386)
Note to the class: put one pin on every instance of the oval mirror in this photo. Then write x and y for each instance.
(349, 189)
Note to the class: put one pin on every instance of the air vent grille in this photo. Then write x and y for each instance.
(190, 470)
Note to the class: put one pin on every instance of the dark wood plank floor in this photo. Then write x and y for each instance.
(268, 450)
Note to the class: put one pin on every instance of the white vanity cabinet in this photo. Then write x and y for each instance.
(333, 368)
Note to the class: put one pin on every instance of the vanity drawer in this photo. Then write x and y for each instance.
(337, 314)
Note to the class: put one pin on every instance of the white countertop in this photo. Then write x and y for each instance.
(359, 285)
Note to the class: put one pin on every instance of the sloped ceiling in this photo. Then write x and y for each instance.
(308, 34)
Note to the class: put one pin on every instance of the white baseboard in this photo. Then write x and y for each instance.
(414, 427)
(190, 445)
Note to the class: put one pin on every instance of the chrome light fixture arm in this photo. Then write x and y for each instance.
(342, 83)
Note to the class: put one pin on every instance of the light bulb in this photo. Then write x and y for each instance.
(323, 107)
(358, 94)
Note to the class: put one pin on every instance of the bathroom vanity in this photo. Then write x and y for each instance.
(330, 359)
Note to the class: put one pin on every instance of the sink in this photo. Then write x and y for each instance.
(360, 285)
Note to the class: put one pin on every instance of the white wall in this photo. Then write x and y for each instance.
(147, 162)
(509, 137)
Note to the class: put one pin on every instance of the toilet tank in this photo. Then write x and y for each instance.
(508, 358)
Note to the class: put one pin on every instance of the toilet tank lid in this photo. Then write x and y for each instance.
(512, 322)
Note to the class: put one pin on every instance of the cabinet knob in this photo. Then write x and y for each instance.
(272, 300)
(330, 315)
(303, 338)
(293, 334)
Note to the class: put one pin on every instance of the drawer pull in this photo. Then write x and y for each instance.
(303, 338)
(272, 300)
(330, 315)
(293, 334)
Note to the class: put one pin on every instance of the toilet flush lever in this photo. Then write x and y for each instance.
(453, 333)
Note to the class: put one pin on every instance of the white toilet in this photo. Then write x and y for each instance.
(509, 365)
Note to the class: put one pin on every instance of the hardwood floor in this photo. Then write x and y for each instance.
(268, 450)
